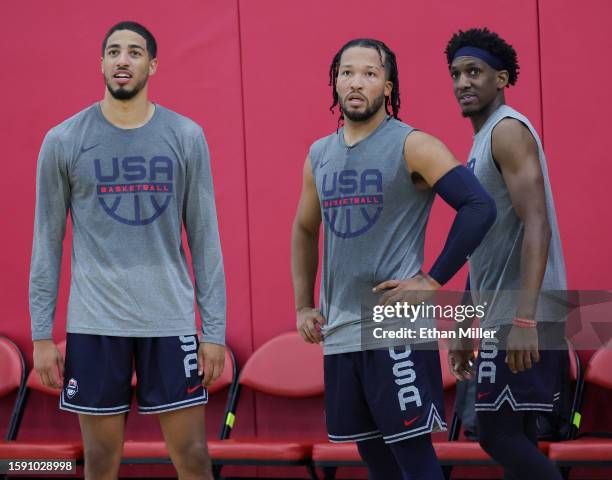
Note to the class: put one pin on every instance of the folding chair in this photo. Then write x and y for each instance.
(287, 367)
(588, 449)
(12, 378)
(17, 449)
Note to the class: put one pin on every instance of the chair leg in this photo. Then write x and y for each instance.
(447, 471)
(329, 473)
(312, 471)
(216, 471)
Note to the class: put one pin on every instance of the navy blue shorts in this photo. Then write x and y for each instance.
(98, 374)
(534, 389)
(395, 393)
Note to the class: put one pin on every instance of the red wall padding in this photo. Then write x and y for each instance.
(254, 74)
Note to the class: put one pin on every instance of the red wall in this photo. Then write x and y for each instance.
(254, 74)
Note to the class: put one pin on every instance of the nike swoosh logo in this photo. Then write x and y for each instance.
(83, 149)
(193, 389)
(482, 395)
(407, 423)
(322, 164)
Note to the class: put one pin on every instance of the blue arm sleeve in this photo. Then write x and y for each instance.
(476, 213)
(467, 294)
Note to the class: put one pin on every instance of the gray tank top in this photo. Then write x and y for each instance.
(495, 264)
(374, 222)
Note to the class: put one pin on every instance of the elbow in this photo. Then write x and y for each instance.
(303, 231)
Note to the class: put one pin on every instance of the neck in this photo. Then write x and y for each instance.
(481, 117)
(132, 113)
(356, 131)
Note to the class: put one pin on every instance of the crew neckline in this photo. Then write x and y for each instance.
(150, 122)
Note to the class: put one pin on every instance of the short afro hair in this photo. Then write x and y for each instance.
(489, 41)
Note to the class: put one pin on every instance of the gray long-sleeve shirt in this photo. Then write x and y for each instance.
(129, 192)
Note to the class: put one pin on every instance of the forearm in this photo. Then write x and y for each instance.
(209, 277)
(534, 255)
(44, 282)
(466, 300)
(304, 264)
(475, 214)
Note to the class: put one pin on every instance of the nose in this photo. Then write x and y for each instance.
(356, 82)
(123, 59)
(463, 81)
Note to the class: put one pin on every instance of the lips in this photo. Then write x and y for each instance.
(355, 100)
(467, 98)
(122, 77)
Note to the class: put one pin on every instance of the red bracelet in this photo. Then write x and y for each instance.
(524, 323)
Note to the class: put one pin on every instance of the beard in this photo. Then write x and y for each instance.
(122, 93)
(370, 110)
(472, 113)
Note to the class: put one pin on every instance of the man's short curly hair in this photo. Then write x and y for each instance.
(489, 41)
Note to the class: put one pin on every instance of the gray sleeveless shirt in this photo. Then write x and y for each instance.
(495, 264)
(374, 225)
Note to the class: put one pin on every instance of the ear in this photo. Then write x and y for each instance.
(153, 66)
(388, 88)
(502, 79)
(102, 65)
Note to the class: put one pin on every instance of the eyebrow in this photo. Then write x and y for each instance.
(116, 45)
(349, 65)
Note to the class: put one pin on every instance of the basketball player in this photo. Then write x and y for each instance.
(131, 173)
(521, 253)
(373, 182)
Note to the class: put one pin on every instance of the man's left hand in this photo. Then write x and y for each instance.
(211, 360)
(413, 290)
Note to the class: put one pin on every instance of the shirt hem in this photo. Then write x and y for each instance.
(134, 333)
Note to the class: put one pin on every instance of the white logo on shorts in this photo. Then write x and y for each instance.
(404, 375)
(190, 361)
(488, 353)
(72, 388)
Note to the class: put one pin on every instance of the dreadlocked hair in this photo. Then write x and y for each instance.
(489, 41)
(390, 64)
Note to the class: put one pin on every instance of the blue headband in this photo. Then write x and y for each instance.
(485, 56)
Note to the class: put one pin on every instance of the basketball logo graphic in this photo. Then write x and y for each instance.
(130, 191)
(72, 388)
(352, 201)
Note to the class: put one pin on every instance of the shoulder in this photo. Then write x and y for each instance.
(419, 142)
(66, 130)
(510, 133)
(395, 125)
(318, 147)
(180, 124)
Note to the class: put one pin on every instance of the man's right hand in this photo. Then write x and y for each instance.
(309, 323)
(461, 359)
(49, 363)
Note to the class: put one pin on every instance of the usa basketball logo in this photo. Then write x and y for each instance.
(131, 191)
(72, 388)
(352, 201)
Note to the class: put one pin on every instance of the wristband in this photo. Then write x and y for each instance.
(524, 323)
